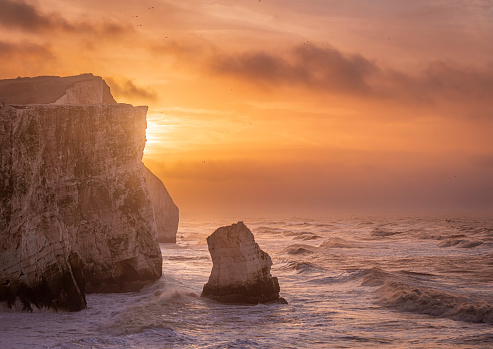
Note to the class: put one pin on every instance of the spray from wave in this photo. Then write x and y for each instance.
(147, 313)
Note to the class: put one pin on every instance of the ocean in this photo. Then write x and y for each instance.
(351, 282)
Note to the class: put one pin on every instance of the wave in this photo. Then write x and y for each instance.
(431, 301)
(147, 314)
(461, 243)
(302, 267)
(367, 277)
(404, 291)
(306, 236)
(427, 236)
(335, 242)
(373, 277)
(267, 230)
(380, 232)
(298, 249)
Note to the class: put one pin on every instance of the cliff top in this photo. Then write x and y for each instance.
(79, 89)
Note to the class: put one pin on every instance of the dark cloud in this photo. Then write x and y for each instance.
(127, 89)
(460, 90)
(323, 68)
(453, 81)
(23, 16)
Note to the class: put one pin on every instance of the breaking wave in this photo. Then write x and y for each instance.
(404, 291)
(147, 314)
(426, 300)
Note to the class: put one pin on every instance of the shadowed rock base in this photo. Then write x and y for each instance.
(57, 288)
(262, 291)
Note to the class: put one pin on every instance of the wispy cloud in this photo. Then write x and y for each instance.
(20, 15)
(127, 89)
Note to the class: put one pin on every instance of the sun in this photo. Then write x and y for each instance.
(157, 133)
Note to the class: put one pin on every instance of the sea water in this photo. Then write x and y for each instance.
(352, 282)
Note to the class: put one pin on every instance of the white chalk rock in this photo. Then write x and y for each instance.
(75, 213)
(166, 213)
(241, 270)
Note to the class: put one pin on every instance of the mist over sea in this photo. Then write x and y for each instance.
(351, 282)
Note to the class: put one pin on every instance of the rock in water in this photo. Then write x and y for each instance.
(166, 213)
(241, 270)
(75, 213)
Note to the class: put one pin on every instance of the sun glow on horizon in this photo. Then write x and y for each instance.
(314, 105)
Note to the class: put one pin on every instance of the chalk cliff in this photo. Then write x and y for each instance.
(241, 270)
(80, 89)
(75, 213)
(166, 213)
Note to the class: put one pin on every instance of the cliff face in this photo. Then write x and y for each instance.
(75, 213)
(166, 213)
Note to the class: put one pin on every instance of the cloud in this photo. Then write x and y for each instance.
(459, 90)
(325, 69)
(9, 49)
(17, 14)
(25, 59)
(313, 67)
(125, 88)
(453, 81)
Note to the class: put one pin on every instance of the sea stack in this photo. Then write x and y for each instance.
(75, 212)
(241, 270)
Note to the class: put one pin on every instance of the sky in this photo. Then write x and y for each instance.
(287, 107)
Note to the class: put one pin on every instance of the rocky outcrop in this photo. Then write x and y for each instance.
(241, 270)
(75, 213)
(166, 213)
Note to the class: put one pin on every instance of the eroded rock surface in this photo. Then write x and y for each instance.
(75, 213)
(241, 270)
(166, 213)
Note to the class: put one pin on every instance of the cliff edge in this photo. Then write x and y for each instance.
(79, 89)
(75, 212)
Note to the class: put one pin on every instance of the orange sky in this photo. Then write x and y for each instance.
(287, 107)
